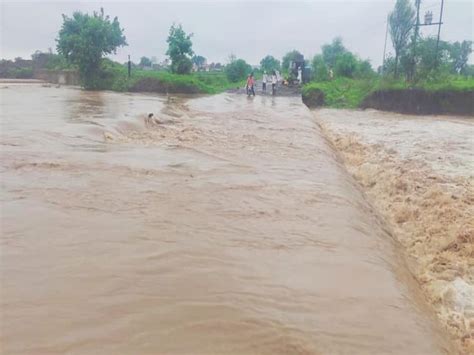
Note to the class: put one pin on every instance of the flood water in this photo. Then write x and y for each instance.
(418, 173)
(227, 227)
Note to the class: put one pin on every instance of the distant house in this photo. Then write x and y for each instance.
(202, 66)
(163, 65)
(211, 67)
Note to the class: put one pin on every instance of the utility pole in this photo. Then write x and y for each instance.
(428, 19)
(415, 37)
(439, 31)
(385, 47)
(129, 67)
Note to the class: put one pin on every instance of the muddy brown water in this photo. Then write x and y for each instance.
(226, 225)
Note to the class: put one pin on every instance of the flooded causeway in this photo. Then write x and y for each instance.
(223, 225)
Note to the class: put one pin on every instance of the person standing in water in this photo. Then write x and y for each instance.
(250, 85)
(274, 82)
(264, 81)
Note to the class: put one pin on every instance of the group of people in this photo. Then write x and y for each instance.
(273, 79)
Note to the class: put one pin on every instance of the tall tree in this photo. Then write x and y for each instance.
(288, 57)
(84, 39)
(199, 60)
(145, 62)
(401, 22)
(180, 50)
(459, 53)
(237, 70)
(270, 63)
(332, 51)
(364, 69)
(346, 65)
(320, 69)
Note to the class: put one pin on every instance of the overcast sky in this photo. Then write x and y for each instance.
(250, 29)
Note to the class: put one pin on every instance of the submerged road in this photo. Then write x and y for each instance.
(225, 226)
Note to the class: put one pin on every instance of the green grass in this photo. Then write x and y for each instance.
(115, 77)
(349, 93)
(448, 82)
(342, 92)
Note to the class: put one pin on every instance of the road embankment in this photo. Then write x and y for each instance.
(422, 102)
(451, 98)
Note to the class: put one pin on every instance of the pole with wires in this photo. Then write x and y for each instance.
(415, 37)
(439, 31)
(385, 46)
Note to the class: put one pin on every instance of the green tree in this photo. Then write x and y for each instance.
(469, 70)
(199, 60)
(237, 70)
(364, 69)
(459, 53)
(428, 61)
(270, 63)
(401, 21)
(320, 69)
(84, 39)
(332, 51)
(346, 65)
(145, 62)
(180, 50)
(288, 57)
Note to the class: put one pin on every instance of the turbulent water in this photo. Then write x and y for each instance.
(418, 172)
(221, 225)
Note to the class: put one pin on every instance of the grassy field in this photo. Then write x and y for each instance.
(115, 77)
(349, 93)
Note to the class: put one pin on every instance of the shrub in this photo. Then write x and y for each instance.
(237, 70)
(346, 65)
(320, 69)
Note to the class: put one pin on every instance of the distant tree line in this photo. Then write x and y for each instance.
(416, 56)
(84, 40)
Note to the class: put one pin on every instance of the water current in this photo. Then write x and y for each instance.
(221, 225)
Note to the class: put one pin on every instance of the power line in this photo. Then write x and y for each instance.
(426, 23)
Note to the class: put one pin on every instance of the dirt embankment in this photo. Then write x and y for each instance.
(422, 102)
(408, 101)
(430, 215)
(313, 98)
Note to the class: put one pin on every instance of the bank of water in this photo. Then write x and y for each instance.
(221, 225)
(418, 173)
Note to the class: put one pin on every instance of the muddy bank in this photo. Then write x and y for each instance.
(417, 172)
(422, 102)
(313, 98)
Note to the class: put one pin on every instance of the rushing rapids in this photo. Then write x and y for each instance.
(220, 225)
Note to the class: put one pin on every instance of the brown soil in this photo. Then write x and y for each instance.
(422, 102)
(313, 99)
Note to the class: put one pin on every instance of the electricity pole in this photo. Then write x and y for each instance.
(415, 37)
(385, 47)
(439, 31)
(129, 66)
(428, 19)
